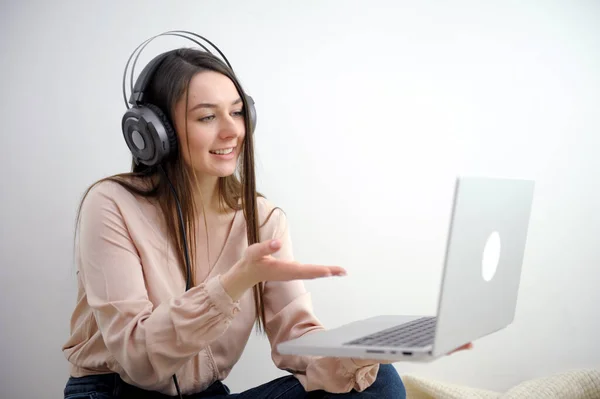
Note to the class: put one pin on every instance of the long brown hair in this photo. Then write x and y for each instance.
(236, 192)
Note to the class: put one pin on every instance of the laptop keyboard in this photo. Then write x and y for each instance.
(417, 333)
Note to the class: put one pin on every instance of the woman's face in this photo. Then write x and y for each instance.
(215, 125)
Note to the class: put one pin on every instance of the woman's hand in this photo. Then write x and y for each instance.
(462, 348)
(257, 265)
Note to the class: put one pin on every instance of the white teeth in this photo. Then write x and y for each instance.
(222, 152)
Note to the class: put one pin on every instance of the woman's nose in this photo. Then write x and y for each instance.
(231, 127)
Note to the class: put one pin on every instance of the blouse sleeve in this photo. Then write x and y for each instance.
(149, 343)
(289, 315)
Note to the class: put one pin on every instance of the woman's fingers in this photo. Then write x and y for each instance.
(462, 348)
(316, 271)
(331, 270)
(298, 271)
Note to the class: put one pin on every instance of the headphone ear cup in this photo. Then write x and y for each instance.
(168, 128)
(251, 112)
(148, 134)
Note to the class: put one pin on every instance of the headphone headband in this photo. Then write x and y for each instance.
(137, 91)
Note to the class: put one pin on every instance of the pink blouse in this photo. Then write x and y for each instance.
(133, 316)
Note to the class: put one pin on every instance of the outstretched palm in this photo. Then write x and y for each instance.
(262, 266)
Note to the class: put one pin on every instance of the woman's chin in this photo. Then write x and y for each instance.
(221, 172)
(216, 170)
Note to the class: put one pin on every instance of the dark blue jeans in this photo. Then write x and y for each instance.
(109, 386)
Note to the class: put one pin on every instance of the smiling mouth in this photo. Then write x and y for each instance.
(224, 151)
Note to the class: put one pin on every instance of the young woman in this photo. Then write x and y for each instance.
(136, 331)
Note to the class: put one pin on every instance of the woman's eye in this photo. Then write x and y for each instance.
(238, 113)
(207, 118)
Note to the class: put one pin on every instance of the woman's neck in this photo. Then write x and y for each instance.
(206, 195)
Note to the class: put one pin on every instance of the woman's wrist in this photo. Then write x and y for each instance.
(236, 282)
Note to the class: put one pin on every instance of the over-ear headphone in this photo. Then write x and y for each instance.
(146, 129)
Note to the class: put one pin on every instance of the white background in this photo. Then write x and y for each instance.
(367, 112)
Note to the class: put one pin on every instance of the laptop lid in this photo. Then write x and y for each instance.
(484, 254)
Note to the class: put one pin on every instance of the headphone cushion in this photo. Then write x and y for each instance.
(171, 135)
(251, 112)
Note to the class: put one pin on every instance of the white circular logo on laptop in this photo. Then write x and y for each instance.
(491, 256)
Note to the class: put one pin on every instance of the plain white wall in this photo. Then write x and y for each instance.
(367, 112)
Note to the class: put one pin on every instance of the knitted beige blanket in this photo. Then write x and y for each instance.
(575, 384)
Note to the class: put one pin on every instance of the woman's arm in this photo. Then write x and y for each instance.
(149, 343)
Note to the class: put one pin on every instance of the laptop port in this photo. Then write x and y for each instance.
(407, 353)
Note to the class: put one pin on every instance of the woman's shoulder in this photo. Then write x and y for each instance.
(111, 190)
(112, 194)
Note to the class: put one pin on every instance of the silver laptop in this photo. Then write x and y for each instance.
(478, 295)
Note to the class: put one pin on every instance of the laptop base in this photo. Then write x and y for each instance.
(336, 342)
